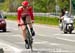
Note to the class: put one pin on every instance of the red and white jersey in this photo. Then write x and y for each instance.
(21, 12)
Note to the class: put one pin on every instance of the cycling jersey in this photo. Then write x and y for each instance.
(21, 12)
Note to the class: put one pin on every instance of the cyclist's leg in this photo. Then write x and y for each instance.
(32, 31)
(30, 25)
(23, 28)
(23, 32)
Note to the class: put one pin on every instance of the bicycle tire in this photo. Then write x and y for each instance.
(29, 39)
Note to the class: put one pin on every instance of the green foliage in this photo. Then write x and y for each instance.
(47, 20)
(2, 0)
(38, 5)
(63, 4)
(4, 5)
(44, 5)
(10, 17)
(73, 3)
(73, 7)
(40, 20)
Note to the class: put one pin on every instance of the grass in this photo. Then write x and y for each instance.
(47, 20)
(40, 20)
(11, 17)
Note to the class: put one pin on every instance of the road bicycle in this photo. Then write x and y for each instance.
(28, 34)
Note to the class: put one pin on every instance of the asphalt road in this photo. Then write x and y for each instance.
(48, 39)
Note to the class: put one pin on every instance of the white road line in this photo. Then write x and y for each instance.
(60, 37)
(16, 35)
(12, 28)
(65, 39)
(46, 42)
(44, 35)
(54, 35)
(14, 49)
(64, 35)
(52, 50)
(42, 42)
(55, 44)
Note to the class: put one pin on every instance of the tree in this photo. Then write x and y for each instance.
(38, 5)
(63, 4)
(14, 4)
(73, 6)
(73, 3)
(44, 5)
(2, 1)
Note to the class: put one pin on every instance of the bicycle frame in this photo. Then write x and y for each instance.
(29, 36)
(28, 33)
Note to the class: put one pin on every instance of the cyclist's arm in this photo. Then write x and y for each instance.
(18, 15)
(31, 13)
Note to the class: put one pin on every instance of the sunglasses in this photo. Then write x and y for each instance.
(25, 6)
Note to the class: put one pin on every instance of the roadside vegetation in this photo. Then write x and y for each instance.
(53, 21)
(38, 5)
(40, 20)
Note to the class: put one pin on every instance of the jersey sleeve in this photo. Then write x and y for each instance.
(18, 15)
(31, 12)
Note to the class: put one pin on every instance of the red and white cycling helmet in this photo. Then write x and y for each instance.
(25, 3)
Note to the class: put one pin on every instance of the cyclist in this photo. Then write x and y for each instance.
(22, 11)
